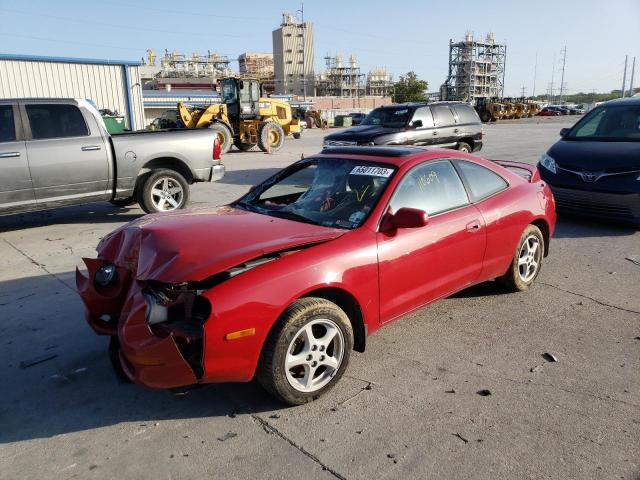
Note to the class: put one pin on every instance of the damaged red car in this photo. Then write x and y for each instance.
(282, 284)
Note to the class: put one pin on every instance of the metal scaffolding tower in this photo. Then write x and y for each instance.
(340, 80)
(476, 69)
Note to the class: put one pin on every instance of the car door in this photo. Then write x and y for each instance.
(67, 154)
(446, 125)
(16, 190)
(419, 265)
(421, 130)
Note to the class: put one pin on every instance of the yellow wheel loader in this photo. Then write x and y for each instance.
(244, 118)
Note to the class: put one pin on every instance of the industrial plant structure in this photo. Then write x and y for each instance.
(259, 65)
(379, 82)
(476, 69)
(293, 57)
(341, 79)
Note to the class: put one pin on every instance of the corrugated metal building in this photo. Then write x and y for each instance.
(112, 84)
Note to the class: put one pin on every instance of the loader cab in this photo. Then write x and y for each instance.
(241, 97)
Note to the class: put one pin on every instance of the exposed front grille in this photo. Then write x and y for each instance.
(340, 143)
(598, 203)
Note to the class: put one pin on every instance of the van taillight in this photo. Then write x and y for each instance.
(217, 149)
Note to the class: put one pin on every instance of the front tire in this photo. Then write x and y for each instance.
(307, 351)
(224, 136)
(527, 260)
(464, 147)
(163, 191)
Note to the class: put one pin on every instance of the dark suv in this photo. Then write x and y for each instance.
(443, 124)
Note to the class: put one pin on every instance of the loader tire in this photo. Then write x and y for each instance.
(270, 137)
(224, 136)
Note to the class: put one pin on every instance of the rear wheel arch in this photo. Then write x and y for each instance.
(544, 228)
(169, 163)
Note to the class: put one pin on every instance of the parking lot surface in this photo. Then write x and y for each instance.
(408, 407)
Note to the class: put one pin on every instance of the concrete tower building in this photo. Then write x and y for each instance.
(293, 57)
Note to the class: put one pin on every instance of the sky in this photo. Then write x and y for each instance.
(399, 35)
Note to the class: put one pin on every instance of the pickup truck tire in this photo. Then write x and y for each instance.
(270, 136)
(243, 147)
(123, 202)
(163, 191)
(224, 136)
(464, 147)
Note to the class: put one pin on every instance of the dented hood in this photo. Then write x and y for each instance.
(191, 245)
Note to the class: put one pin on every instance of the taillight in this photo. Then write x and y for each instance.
(217, 149)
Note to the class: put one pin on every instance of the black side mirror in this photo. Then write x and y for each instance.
(416, 124)
(564, 131)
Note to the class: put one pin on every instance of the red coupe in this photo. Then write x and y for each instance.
(284, 283)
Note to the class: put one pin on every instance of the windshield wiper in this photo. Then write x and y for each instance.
(290, 216)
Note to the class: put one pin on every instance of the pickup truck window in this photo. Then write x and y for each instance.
(56, 121)
(7, 127)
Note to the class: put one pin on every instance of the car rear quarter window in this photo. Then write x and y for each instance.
(56, 121)
(434, 187)
(7, 125)
(482, 182)
(466, 114)
(443, 115)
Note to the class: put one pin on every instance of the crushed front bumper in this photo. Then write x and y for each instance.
(148, 358)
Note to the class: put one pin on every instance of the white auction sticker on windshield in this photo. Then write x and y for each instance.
(372, 171)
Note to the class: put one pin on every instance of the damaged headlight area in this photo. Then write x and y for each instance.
(179, 311)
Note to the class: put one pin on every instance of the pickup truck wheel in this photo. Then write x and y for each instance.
(123, 202)
(224, 136)
(163, 191)
(270, 135)
(464, 147)
(306, 352)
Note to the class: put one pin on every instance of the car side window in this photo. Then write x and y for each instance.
(433, 186)
(482, 182)
(56, 121)
(7, 125)
(424, 115)
(443, 115)
(466, 114)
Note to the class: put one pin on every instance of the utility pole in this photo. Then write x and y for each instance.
(633, 71)
(553, 74)
(624, 76)
(564, 61)
(535, 73)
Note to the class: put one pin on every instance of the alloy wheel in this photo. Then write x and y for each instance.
(166, 194)
(529, 258)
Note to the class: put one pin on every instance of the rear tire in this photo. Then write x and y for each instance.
(270, 134)
(485, 116)
(526, 262)
(297, 135)
(306, 352)
(464, 147)
(224, 136)
(158, 186)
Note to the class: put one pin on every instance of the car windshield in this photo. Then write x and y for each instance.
(332, 192)
(609, 123)
(388, 117)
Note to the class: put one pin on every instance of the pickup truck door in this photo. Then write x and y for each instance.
(16, 190)
(67, 154)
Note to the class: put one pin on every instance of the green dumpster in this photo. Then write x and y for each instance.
(343, 121)
(114, 124)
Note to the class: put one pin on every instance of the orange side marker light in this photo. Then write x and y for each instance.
(240, 333)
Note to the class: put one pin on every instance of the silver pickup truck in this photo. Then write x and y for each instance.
(57, 152)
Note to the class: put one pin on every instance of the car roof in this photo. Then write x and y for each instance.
(624, 101)
(393, 155)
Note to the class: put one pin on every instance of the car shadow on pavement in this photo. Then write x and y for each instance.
(57, 378)
(484, 289)
(574, 227)
(102, 212)
(248, 177)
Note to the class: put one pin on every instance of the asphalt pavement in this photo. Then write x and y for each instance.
(460, 389)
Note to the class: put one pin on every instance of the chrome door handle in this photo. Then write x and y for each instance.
(435, 132)
(88, 148)
(9, 154)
